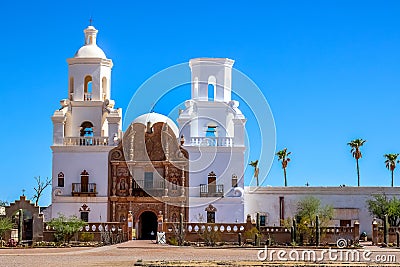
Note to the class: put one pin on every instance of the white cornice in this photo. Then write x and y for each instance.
(92, 103)
(211, 61)
(100, 61)
(75, 199)
(322, 190)
(81, 149)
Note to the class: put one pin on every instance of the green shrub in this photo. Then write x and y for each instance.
(250, 234)
(66, 227)
(173, 241)
(86, 237)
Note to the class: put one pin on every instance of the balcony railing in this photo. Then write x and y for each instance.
(86, 141)
(79, 189)
(137, 184)
(211, 190)
(87, 97)
(211, 141)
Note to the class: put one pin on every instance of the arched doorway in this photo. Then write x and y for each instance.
(148, 225)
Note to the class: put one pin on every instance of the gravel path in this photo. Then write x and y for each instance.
(128, 253)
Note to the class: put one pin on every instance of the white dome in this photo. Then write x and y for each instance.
(156, 117)
(90, 51)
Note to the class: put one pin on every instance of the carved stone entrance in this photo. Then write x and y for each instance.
(148, 225)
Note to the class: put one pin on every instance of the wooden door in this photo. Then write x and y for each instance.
(84, 183)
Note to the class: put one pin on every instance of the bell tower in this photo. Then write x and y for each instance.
(212, 129)
(85, 129)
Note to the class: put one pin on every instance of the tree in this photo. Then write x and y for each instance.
(66, 227)
(3, 203)
(254, 164)
(391, 160)
(5, 225)
(381, 205)
(283, 157)
(40, 187)
(307, 210)
(355, 150)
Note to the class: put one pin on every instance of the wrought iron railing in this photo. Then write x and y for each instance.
(211, 190)
(79, 188)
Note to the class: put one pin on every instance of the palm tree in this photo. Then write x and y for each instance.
(355, 150)
(391, 160)
(254, 164)
(283, 157)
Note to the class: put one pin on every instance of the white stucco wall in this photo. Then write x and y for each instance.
(266, 200)
(72, 160)
(229, 209)
(70, 206)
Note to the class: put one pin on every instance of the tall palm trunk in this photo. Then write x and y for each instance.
(358, 172)
(284, 175)
(392, 178)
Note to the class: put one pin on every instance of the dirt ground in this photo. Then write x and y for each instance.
(149, 254)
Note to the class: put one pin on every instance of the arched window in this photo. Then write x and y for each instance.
(71, 87)
(210, 91)
(211, 88)
(195, 88)
(86, 129)
(88, 88)
(60, 180)
(86, 132)
(104, 87)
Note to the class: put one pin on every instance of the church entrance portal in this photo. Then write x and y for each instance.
(148, 225)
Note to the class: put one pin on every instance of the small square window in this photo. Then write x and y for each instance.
(234, 181)
(85, 216)
(210, 217)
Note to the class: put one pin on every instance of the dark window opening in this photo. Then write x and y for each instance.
(210, 217)
(60, 180)
(86, 129)
(262, 220)
(345, 223)
(234, 181)
(281, 210)
(85, 216)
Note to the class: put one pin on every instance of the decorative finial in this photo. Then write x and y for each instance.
(23, 192)
(91, 21)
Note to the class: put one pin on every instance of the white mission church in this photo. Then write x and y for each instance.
(194, 167)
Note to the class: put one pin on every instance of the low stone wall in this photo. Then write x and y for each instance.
(225, 232)
(114, 231)
(197, 232)
(378, 234)
(277, 234)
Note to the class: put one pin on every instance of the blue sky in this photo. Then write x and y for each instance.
(329, 70)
